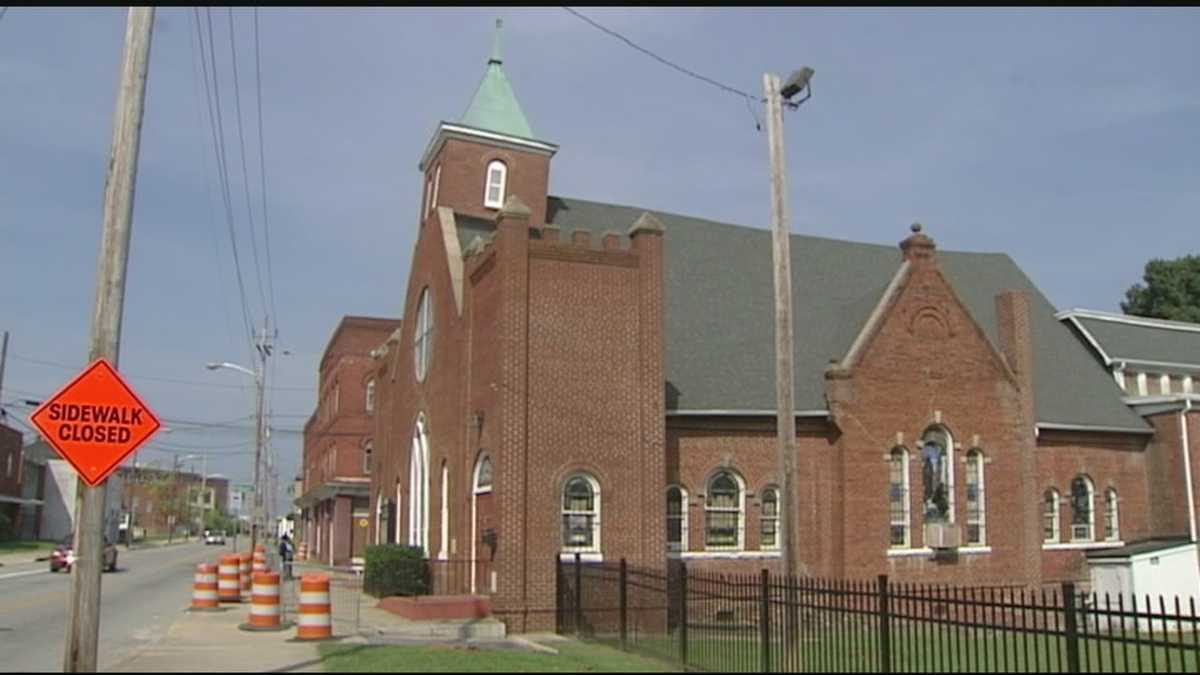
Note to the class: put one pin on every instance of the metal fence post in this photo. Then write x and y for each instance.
(683, 614)
(559, 597)
(885, 626)
(1072, 626)
(764, 622)
(578, 595)
(624, 608)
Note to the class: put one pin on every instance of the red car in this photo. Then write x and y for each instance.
(64, 555)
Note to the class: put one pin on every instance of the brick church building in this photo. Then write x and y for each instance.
(578, 377)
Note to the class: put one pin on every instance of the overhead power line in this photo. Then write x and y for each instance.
(194, 383)
(670, 64)
(216, 124)
(237, 99)
(214, 229)
(262, 165)
(179, 425)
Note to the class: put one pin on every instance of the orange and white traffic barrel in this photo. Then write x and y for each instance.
(264, 603)
(244, 576)
(260, 560)
(314, 620)
(302, 551)
(204, 588)
(229, 588)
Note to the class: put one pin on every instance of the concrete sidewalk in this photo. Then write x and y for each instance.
(212, 641)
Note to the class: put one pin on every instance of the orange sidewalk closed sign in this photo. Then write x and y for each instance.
(95, 422)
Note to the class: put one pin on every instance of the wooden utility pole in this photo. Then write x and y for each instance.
(83, 608)
(260, 371)
(784, 373)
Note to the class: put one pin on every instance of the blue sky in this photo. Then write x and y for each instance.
(1065, 138)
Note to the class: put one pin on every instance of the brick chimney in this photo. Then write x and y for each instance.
(1016, 344)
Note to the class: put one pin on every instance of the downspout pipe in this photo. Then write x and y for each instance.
(1187, 466)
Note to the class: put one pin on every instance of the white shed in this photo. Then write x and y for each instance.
(1166, 568)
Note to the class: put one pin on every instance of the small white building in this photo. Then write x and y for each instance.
(60, 482)
(1166, 568)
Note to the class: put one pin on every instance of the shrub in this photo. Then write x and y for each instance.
(393, 569)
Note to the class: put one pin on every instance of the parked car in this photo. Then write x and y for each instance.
(63, 556)
(215, 538)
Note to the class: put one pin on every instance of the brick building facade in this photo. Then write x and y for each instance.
(582, 377)
(160, 499)
(338, 443)
(11, 469)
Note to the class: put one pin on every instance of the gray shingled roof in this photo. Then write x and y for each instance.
(1150, 343)
(1141, 548)
(720, 324)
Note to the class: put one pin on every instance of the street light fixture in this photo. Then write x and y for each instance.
(797, 82)
(258, 435)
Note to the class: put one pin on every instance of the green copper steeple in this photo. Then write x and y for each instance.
(495, 107)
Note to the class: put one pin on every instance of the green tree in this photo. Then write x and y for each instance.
(215, 520)
(1171, 290)
(170, 499)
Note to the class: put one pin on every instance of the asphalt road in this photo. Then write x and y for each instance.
(139, 601)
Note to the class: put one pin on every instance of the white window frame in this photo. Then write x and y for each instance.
(1164, 384)
(906, 497)
(418, 489)
(741, 511)
(1141, 385)
(444, 544)
(595, 513)
(980, 519)
(501, 184)
(1091, 524)
(423, 335)
(682, 544)
(370, 396)
(1112, 515)
(950, 501)
(483, 489)
(1057, 516)
(763, 518)
(379, 519)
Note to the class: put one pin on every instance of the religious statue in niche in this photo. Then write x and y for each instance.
(935, 465)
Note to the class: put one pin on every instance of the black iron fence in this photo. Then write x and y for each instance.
(769, 623)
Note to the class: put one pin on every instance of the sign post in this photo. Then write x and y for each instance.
(83, 605)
